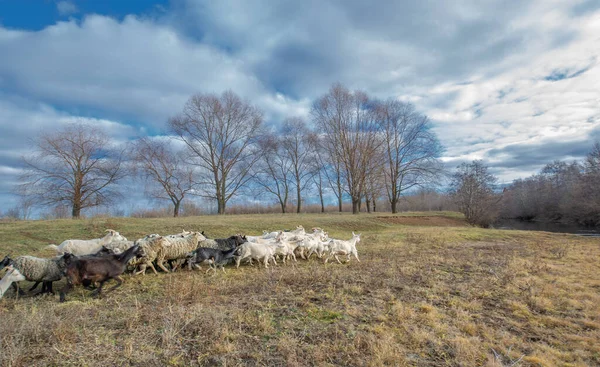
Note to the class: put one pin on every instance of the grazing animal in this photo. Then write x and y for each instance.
(150, 245)
(257, 251)
(87, 247)
(37, 270)
(82, 271)
(178, 248)
(118, 247)
(339, 247)
(12, 275)
(216, 257)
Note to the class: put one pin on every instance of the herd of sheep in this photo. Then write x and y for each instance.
(91, 263)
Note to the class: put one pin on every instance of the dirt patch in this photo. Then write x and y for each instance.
(433, 221)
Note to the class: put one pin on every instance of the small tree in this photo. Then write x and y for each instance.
(165, 172)
(298, 144)
(472, 188)
(273, 170)
(74, 166)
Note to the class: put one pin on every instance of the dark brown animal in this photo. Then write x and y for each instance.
(96, 270)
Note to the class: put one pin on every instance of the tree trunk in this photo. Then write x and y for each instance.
(76, 212)
(299, 208)
(355, 205)
(322, 201)
(339, 185)
(176, 206)
(283, 205)
(374, 205)
(368, 202)
(394, 203)
(221, 206)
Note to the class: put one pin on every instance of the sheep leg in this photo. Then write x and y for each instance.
(162, 266)
(35, 286)
(337, 258)
(356, 256)
(142, 270)
(18, 289)
(49, 287)
(66, 289)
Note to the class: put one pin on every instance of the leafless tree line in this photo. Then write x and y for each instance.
(562, 191)
(354, 146)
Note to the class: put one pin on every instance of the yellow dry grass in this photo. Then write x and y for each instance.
(422, 295)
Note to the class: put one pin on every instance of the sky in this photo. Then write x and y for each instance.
(515, 83)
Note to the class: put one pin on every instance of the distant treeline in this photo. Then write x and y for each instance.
(565, 192)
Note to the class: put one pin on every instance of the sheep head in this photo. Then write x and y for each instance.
(5, 261)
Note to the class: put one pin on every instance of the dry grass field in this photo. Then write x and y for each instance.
(429, 291)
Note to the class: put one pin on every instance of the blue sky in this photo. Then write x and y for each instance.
(514, 83)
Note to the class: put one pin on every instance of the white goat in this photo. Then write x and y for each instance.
(299, 231)
(258, 251)
(12, 275)
(318, 245)
(87, 247)
(340, 247)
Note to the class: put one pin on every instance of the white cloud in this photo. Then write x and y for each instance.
(66, 8)
(478, 69)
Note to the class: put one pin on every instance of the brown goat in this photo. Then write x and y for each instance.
(96, 270)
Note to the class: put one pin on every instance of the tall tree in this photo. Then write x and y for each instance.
(274, 169)
(166, 174)
(74, 166)
(349, 126)
(329, 167)
(472, 188)
(411, 149)
(220, 133)
(298, 144)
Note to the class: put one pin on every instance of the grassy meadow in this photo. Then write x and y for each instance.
(429, 291)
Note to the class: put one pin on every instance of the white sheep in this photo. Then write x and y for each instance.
(149, 245)
(38, 270)
(12, 275)
(87, 247)
(340, 247)
(177, 248)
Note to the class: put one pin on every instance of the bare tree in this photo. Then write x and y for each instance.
(166, 174)
(349, 126)
(298, 144)
(411, 149)
(220, 132)
(329, 168)
(319, 184)
(74, 166)
(592, 160)
(274, 169)
(472, 188)
(374, 187)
